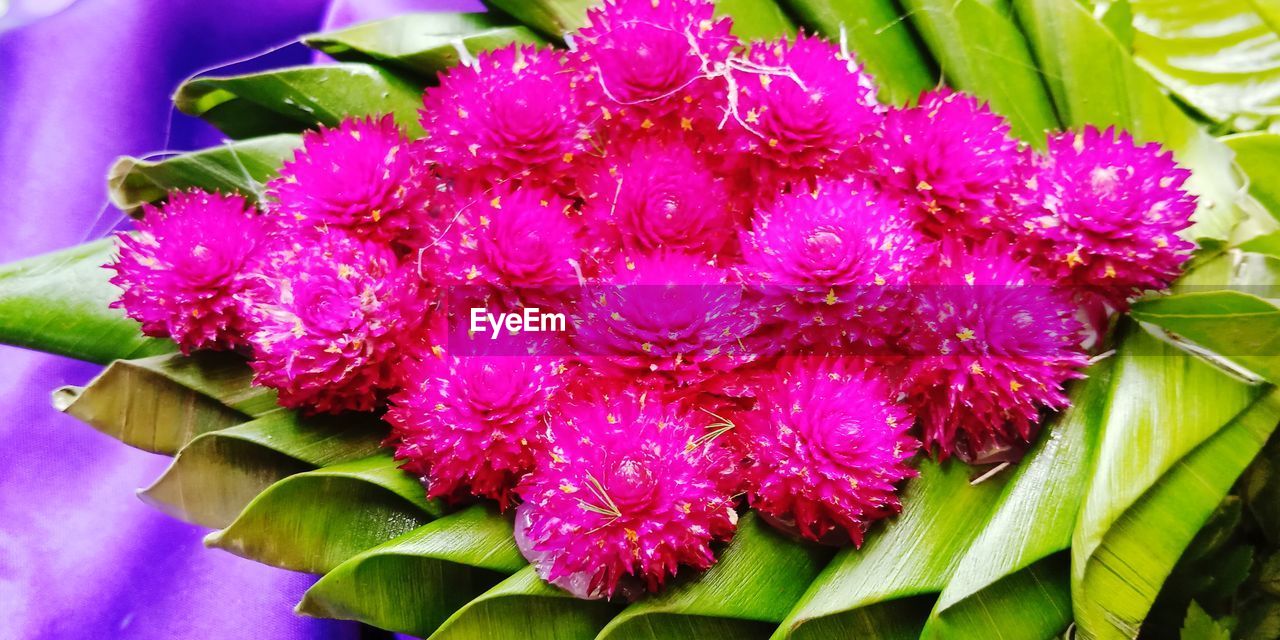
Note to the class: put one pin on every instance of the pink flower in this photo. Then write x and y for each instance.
(829, 447)
(184, 273)
(331, 321)
(626, 494)
(1112, 213)
(992, 346)
(517, 113)
(362, 177)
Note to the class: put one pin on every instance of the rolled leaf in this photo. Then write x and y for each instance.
(413, 583)
(297, 98)
(1256, 155)
(421, 44)
(236, 167)
(1234, 324)
(58, 303)
(523, 607)
(315, 520)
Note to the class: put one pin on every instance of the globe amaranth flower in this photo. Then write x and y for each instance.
(472, 425)
(660, 195)
(829, 447)
(831, 263)
(518, 112)
(803, 107)
(659, 63)
(363, 177)
(1112, 213)
(950, 161)
(665, 318)
(992, 346)
(183, 273)
(330, 322)
(626, 494)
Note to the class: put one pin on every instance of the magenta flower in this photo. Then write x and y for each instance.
(992, 346)
(331, 320)
(363, 177)
(184, 274)
(829, 447)
(625, 495)
(1112, 213)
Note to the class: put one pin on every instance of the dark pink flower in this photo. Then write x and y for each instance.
(184, 273)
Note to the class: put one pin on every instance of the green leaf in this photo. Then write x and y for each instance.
(758, 578)
(413, 583)
(1256, 155)
(1260, 490)
(881, 38)
(1016, 575)
(422, 44)
(297, 98)
(215, 475)
(1200, 626)
(896, 575)
(160, 403)
(315, 520)
(756, 19)
(551, 18)
(1219, 56)
(523, 607)
(1237, 325)
(240, 167)
(1094, 80)
(1177, 435)
(983, 52)
(1268, 245)
(58, 302)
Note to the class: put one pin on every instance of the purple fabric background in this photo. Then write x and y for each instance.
(82, 82)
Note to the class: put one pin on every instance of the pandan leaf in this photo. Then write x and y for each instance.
(1240, 326)
(982, 51)
(421, 44)
(315, 520)
(756, 19)
(297, 98)
(1268, 245)
(1016, 574)
(894, 579)
(58, 303)
(160, 403)
(413, 583)
(1256, 155)
(1094, 80)
(1219, 56)
(215, 475)
(551, 18)
(881, 39)
(758, 578)
(523, 607)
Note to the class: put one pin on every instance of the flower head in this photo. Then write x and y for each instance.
(331, 322)
(628, 491)
(829, 447)
(363, 177)
(183, 273)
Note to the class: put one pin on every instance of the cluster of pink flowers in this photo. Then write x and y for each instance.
(778, 289)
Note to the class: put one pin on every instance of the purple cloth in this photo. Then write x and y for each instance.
(81, 83)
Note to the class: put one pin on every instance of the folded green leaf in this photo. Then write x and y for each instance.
(881, 39)
(523, 607)
(58, 302)
(240, 167)
(551, 18)
(756, 19)
(315, 520)
(413, 583)
(215, 475)
(1237, 325)
(896, 575)
(422, 44)
(757, 580)
(297, 98)
(1256, 155)
(1268, 245)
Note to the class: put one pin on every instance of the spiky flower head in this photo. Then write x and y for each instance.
(515, 113)
(183, 272)
(991, 348)
(1112, 213)
(829, 447)
(831, 262)
(950, 161)
(331, 321)
(628, 492)
(363, 177)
